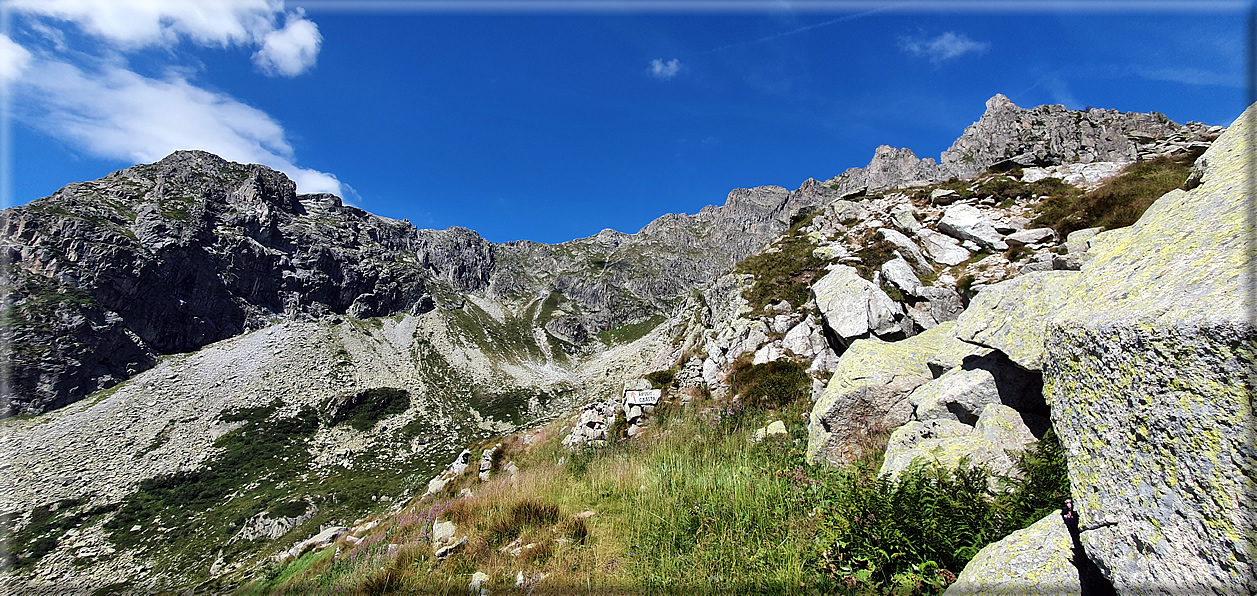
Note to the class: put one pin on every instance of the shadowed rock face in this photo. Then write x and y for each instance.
(168, 257)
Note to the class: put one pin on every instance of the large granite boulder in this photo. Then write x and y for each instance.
(1012, 316)
(966, 222)
(947, 442)
(942, 248)
(869, 390)
(1150, 369)
(854, 308)
(1033, 561)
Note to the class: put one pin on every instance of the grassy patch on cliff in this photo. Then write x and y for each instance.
(784, 271)
(631, 332)
(1119, 201)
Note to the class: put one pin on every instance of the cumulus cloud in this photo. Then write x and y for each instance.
(664, 70)
(942, 48)
(291, 50)
(120, 114)
(13, 58)
(133, 24)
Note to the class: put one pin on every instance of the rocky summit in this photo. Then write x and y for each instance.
(218, 384)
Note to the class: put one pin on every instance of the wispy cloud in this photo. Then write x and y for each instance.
(13, 58)
(803, 29)
(133, 24)
(119, 114)
(940, 49)
(664, 70)
(1191, 76)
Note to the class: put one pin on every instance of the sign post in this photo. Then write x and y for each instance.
(646, 397)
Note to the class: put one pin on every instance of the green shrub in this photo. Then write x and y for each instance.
(661, 378)
(771, 384)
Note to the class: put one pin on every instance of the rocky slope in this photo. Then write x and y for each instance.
(375, 351)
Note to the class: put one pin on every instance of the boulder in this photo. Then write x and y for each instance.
(1036, 560)
(903, 216)
(962, 392)
(846, 211)
(1149, 371)
(942, 248)
(897, 271)
(853, 307)
(1078, 241)
(868, 392)
(774, 428)
(908, 249)
(479, 583)
(1011, 316)
(947, 442)
(966, 222)
(1031, 236)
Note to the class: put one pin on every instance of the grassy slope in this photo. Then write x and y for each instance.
(691, 506)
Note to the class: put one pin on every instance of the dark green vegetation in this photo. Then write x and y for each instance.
(783, 272)
(365, 408)
(631, 332)
(876, 252)
(1119, 201)
(661, 378)
(44, 530)
(913, 534)
(771, 384)
(264, 466)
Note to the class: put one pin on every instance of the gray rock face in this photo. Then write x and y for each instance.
(1036, 560)
(1011, 316)
(853, 307)
(1149, 372)
(966, 222)
(1041, 137)
(1050, 135)
(172, 256)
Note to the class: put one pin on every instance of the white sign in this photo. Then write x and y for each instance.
(642, 398)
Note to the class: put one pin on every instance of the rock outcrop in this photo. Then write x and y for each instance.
(1147, 357)
(868, 392)
(1149, 370)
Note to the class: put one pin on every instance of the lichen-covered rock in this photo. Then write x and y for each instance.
(854, 308)
(960, 394)
(869, 389)
(966, 222)
(898, 272)
(908, 249)
(947, 442)
(1011, 316)
(941, 247)
(1149, 372)
(1038, 560)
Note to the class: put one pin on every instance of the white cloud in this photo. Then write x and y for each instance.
(119, 114)
(664, 70)
(13, 58)
(291, 50)
(942, 48)
(134, 24)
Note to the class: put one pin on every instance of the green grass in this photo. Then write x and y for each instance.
(784, 272)
(631, 332)
(1120, 201)
(771, 384)
(44, 530)
(694, 507)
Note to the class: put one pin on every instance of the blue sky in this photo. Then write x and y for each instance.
(530, 122)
